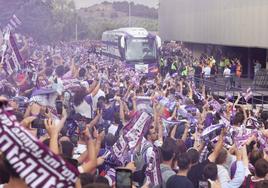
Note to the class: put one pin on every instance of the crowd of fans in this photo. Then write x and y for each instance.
(97, 115)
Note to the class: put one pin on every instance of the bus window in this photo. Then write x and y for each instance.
(140, 49)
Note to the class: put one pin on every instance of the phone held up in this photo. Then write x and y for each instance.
(123, 178)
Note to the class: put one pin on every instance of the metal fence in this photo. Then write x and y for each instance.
(213, 86)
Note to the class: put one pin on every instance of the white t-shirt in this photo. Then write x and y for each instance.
(85, 108)
(99, 94)
(227, 72)
(207, 71)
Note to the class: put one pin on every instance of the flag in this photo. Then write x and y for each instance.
(13, 59)
(248, 94)
(144, 104)
(13, 23)
(168, 124)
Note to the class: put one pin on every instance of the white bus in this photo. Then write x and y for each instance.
(136, 47)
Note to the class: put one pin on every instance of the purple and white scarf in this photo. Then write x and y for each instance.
(167, 103)
(215, 104)
(152, 172)
(168, 124)
(210, 130)
(32, 160)
(132, 136)
(144, 104)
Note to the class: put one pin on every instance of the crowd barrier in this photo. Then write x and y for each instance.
(219, 88)
(261, 78)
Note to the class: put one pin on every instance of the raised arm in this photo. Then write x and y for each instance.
(212, 157)
(91, 154)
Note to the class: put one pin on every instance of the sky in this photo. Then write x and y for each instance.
(87, 3)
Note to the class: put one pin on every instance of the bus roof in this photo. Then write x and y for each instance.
(131, 31)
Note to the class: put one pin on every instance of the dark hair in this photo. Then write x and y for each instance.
(48, 71)
(67, 148)
(4, 172)
(86, 179)
(254, 156)
(10, 170)
(60, 70)
(110, 139)
(210, 171)
(193, 155)
(96, 185)
(168, 149)
(82, 72)
(262, 184)
(261, 168)
(148, 132)
(238, 118)
(49, 62)
(183, 161)
(101, 179)
(221, 158)
(181, 146)
(79, 96)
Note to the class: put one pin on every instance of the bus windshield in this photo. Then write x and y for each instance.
(140, 49)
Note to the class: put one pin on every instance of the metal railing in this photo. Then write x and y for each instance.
(214, 87)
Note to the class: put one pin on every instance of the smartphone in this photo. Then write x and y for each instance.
(59, 107)
(123, 178)
(38, 124)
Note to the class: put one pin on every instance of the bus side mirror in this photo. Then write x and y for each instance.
(158, 42)
(122, 42)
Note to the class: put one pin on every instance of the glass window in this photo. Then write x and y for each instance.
(140, 49)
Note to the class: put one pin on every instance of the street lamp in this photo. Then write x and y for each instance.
(129, 13)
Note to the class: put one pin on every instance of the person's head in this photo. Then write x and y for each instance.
(96, 185)
(109, 139)
(210, 171)
(222, 157)
(49, 62)
(168, 149)
(151, 135)
(254, 156)
(60, 71)
(262, 184)
(101, 179)
(8, 174)
(86, 179)
(82, 72)
(183, 161)
(193, 155)
(238, 119)
(48, 71)
(4, 172)
(67, 148)
(261, 168)
(79, 96)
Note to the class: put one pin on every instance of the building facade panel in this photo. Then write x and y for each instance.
(224, 22)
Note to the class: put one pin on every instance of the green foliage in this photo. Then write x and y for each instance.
(50, 21)
(137, 10)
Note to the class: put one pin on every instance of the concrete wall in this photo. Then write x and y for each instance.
(225, 22)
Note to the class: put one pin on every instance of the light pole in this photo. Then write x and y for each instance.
(76, 26)
(129, 13)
